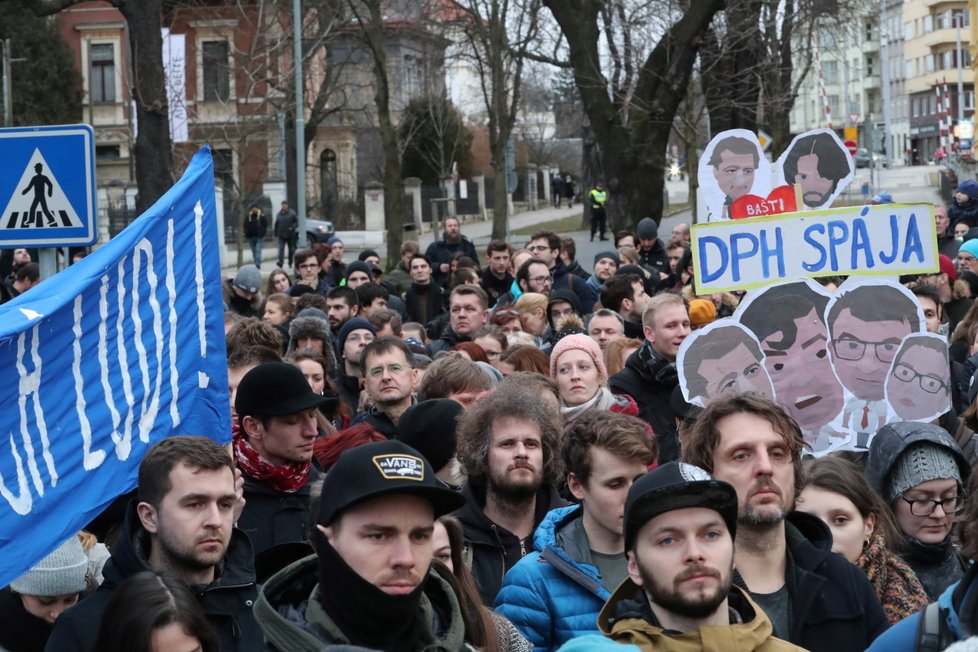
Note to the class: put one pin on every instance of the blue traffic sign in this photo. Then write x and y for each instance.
(47, 186)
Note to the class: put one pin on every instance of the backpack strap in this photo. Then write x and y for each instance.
(932, 632)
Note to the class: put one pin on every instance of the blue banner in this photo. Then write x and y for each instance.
(113, 354)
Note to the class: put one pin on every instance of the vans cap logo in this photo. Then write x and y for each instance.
(400, 467)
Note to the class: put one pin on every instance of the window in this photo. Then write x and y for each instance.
(869, 67)
(869, 31)
(217, 84)
(102, 80)
(928, 24)
(834, 105)
(969, 100)
(830, 71)
(909, 69)
(107, 153)
(929, 63)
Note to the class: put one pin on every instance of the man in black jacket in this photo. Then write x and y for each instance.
(181, 521)
(546, 247)
(652, 254)
(814, 597)
(425, 299)
(508, 444)
(650, 373)
(440, 252)
(287, 232)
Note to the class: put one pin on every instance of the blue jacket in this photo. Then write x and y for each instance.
(549, 595)
(959, 605)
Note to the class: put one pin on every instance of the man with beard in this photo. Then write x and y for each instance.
(680, 525)
(787, 321)
(814, 597)
(508, 446)
(182, 521)
(371, 583)
(440, 252)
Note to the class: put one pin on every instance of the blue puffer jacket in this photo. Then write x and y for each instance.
(548, 595)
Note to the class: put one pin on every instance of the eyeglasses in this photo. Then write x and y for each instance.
(538, 248)
(541, 280)
(927, 506)
(928, 383)
(393, 369)
(308, 265)
(853, 349)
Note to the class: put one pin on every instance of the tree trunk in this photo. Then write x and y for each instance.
(732, 69)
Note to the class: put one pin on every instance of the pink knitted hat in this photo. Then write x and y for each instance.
(581, 343)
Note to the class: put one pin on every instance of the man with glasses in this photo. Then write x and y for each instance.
(534, 276)
(307, 265)
(866, 325)
(921, 473)
(390, 379)
(545, 246)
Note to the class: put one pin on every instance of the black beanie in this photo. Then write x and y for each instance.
(430, 428)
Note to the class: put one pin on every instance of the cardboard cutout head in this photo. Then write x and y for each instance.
(719, 359)
(733, 165)
(820, 163)
(918, 385)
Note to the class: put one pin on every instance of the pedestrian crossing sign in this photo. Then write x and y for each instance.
(47, 186)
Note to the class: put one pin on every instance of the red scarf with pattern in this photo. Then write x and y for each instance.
(288, 478)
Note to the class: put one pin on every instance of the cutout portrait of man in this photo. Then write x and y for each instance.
(867, 321)
(719, 359)
(733, 165)
(918, 385)
(788, 322)
(820, 163)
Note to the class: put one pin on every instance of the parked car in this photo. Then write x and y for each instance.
(319, 230)
(863, 158)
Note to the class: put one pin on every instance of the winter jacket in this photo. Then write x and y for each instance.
(424, 302)
(655, 259)
(564, 280)
(833, 606)
(348, 387)
(226, 602)
(959, 617)
(653, 393)
(967, 213)
(575, 268)
(255, 224)
(495, 287)
(627, 618)
(293, 620)
(554, 594)
(445, 343)
(400, 276)
(20, 631)
(240, 305)
(936, 565)
(493, 549)
(286, 224)
(440, 252)
(273, 517)
(948, 245)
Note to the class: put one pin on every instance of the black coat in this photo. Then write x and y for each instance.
(655, 259)
(833, 606)
(495, 287)
(424, 302)
(273, 517)
(226, 601)
(653, 394)
(439, 252)
(564, 280)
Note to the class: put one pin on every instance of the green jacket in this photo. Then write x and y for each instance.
(292, 618)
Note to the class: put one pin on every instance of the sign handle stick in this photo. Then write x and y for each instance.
(798, 196)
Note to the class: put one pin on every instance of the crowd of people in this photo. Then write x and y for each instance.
(450, 455)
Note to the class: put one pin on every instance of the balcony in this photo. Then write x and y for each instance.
(944, 4)
(871, 82)
(947, 36)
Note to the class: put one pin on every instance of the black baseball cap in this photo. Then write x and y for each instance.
(379, 469)
(672, 486)
(275, 389)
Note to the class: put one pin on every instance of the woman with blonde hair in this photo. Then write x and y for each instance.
(532, 308)
(576, 364)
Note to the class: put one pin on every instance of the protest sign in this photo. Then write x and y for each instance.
(733, 165)
(890, 239)
(819, 162)
(120, 350)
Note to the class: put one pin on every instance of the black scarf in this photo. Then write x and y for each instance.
(927, 554)
(368, 616)
(662, 371)
(19, 630)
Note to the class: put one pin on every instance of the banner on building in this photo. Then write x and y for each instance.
(118, 351)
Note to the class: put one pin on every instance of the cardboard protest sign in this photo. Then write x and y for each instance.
(885, 240)
(733, 165)
(820, 163)
(842, 365)
(780, 200)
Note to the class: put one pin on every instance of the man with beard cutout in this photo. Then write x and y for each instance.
(370, 583)
(181, 520)
(815, 598)
(679, 595)
(508, 446)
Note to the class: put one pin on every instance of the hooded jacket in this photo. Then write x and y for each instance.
(564, 280)
(833, 606)
(628, 618)
(240, 305)
(959, 617)
(493, 549)
(651, 387)
(554, 594)
(967, 213)
(293, 620)
(226, 602)
(937, 565)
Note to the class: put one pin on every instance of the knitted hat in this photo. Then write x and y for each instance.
(63, 572)
(311, 322)
(312, 312)
(970, 246)
(367, 253)
(647, 228)
(354, 324)
(947, 267)
(430, 427)
(579, 342)
(358, 266)
(702, 312)
(613, 255)
(333, 241)
(248, 278)
(921, 462)
(969, 187)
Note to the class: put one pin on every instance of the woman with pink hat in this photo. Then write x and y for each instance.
(577, 365)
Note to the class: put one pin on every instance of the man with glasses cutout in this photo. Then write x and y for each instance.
(866, 325)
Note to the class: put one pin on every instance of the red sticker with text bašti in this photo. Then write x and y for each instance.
(780, 200)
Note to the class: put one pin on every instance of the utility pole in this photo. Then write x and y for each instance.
(960, 61)
(885, 86)
(300, 125)
(7, 101)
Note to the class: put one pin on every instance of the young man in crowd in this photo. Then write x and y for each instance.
(554, 593)
(425, 300)
(651, 252)
(546, 246)
(333, 268)
(354, 337)
(497, 277)
(400, 276)
(625, 294)
(604, 326)
(371, 296)
(605, 265)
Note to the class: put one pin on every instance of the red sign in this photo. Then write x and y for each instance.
(851, 146)
(780, 200)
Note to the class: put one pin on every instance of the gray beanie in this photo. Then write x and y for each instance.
(647, 229)
(63, 572)
(248, 278)
(921, 463)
